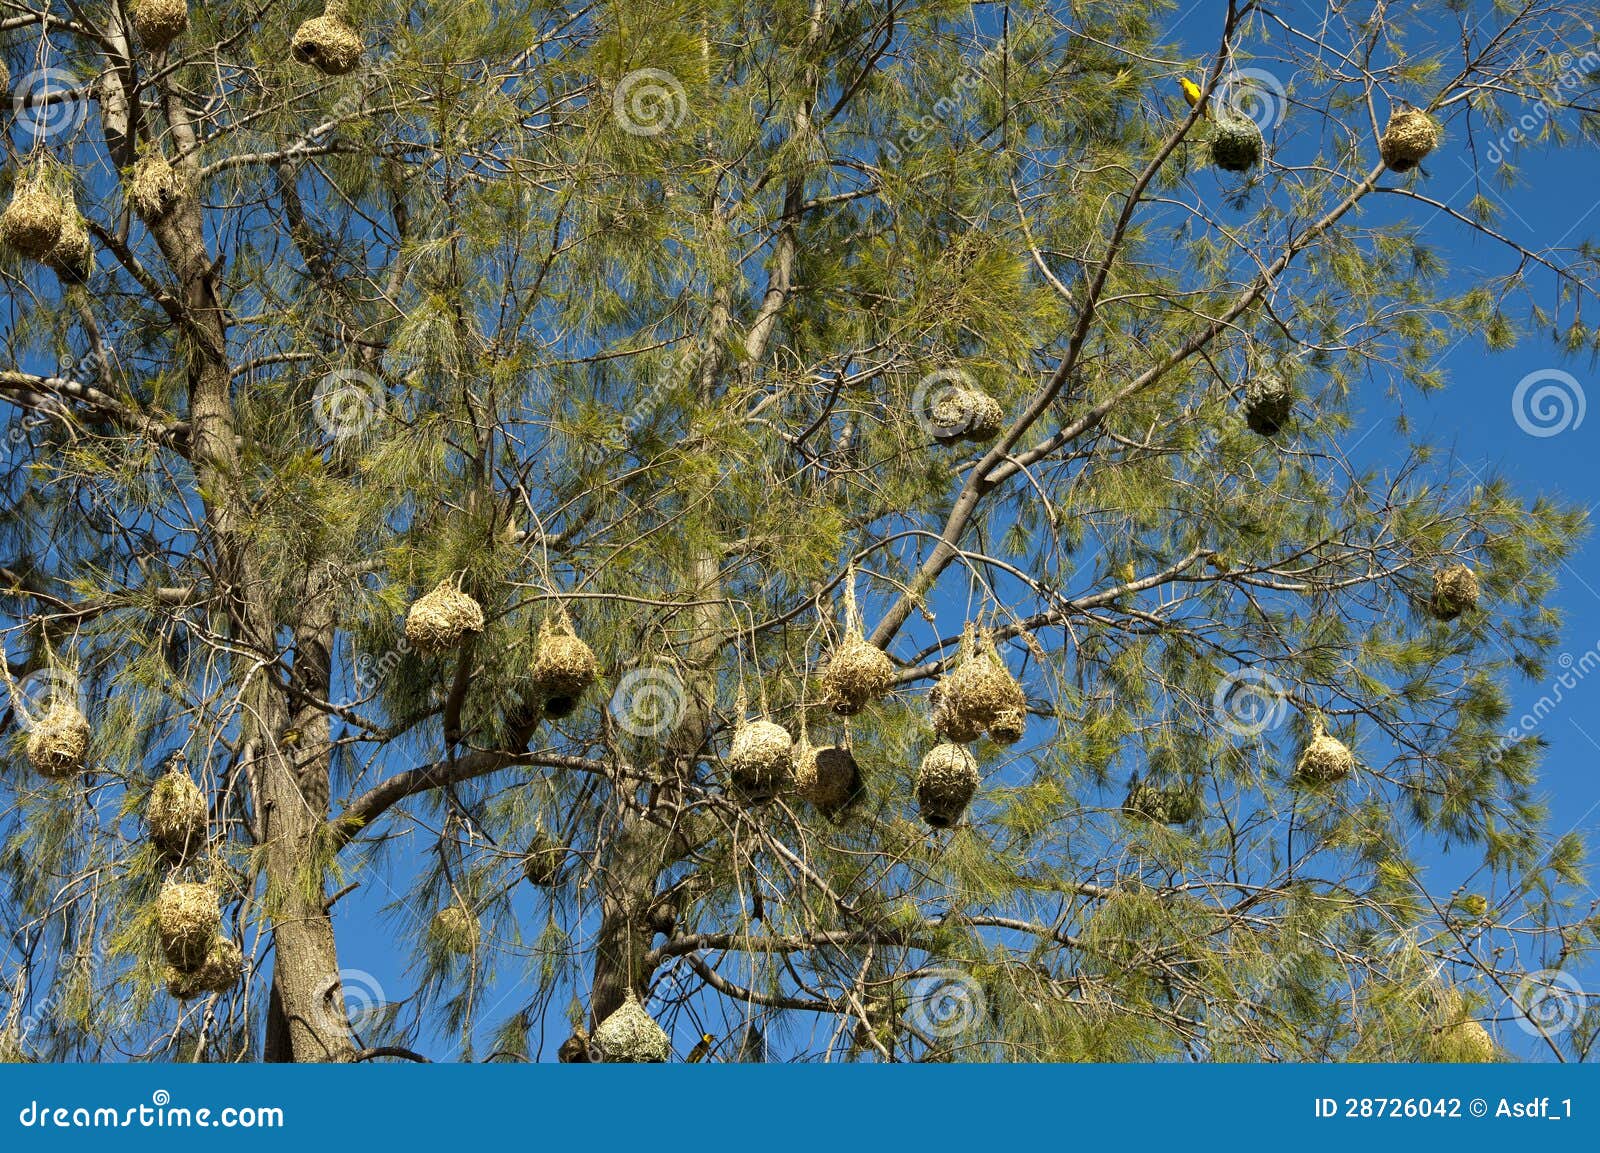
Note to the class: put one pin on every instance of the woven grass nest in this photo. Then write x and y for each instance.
(761, 759)
(330, 43)
(187, 921)
(455, 930)
(1164, 806)
(1457, 1038)
(152, 187)
(563, 666)
(544, 861)
(1236, 145)
(979, 694)
(946, 783)
(1268, 401)
(966, 414)
(177, 816)
(858, 673)
(828, 776)
(1325, 760)
(59, 740)
(630, 1034)
(439, 619)
(1455, 591)
(72, 259)
(219, 972)
(158, 23)
(1411, 135)
(32, 223)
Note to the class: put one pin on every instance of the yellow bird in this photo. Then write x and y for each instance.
(699, 1052)
(1191, 92)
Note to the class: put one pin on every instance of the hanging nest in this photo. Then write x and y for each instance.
(761, 759)
(946, 784)
(858, 673)
(187, 921)
(1237, 144)
(630, 1034)
(59, 740)
(219, 972)
(563, 666)
(1411, 135)
(158, 23)
(329, 43)
(1325, 760)
(1455, 591)
(966, 414)
(1457, 1038)
(72, 258)
(544, 861)
(978, 694)
(828, 777)
(32, 223)
(1268, 401)
(177, 816)
(455, 930)
(439, 619)
(1164, 806)
(152, 187)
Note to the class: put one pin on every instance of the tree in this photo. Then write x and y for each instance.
(701, 332)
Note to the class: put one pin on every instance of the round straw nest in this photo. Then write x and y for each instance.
(152, 187)
(59, 740)
(455, 930)
(946, 783)
(1236, 144)
(966, 414)
(73, 256)
(219, 972)
(858, 673)
(159, 22)
(177, 816)
(630, 1034)
(33, 222)
(978, 694)
(439, 619)
(329, 43)
(1411, 135)
(1455, 591)
(828, 777)
(544, 861)
(1457, 1037)
(187, 922)
(761, 759)
(563, 667)
(1325, 759)
(1164, 806)
(1268, 401)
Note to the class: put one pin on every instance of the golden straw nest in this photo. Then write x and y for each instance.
(979, 694)
(32, 222)
(187, 921)
(439, 619)
(563, 666)
(177, 816)
(219, 972)
(1455, 591)
(59, 741)
(631, 1034)
(329, 43)
(1411, 135)
(1325, 760)
(152, 187)
(828, 776)
(858, 673)
(967, 414)
(158, 23)
(455, 930)
(946, 783)
(761, 758)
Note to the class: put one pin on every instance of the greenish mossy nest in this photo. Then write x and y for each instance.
(455, 930)
(858, 673)
(329, 43)
(59, 740)
(158, 23)
(32, 223)
(544, 861)
(1455, 591)
(946, 784)
(1456, 1037)
(828, 777)
(73, 256)
(978, 694)
(152, 187)
(761, 759)
(1325, 759)
(1268, 401)
(219, 972)
(631, 1035)
(966, 414)
(1236, 144)
(177, 816)
(1411, 135)
(187, 922)
(1165, 806)
(439, 619)
(563, 667)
